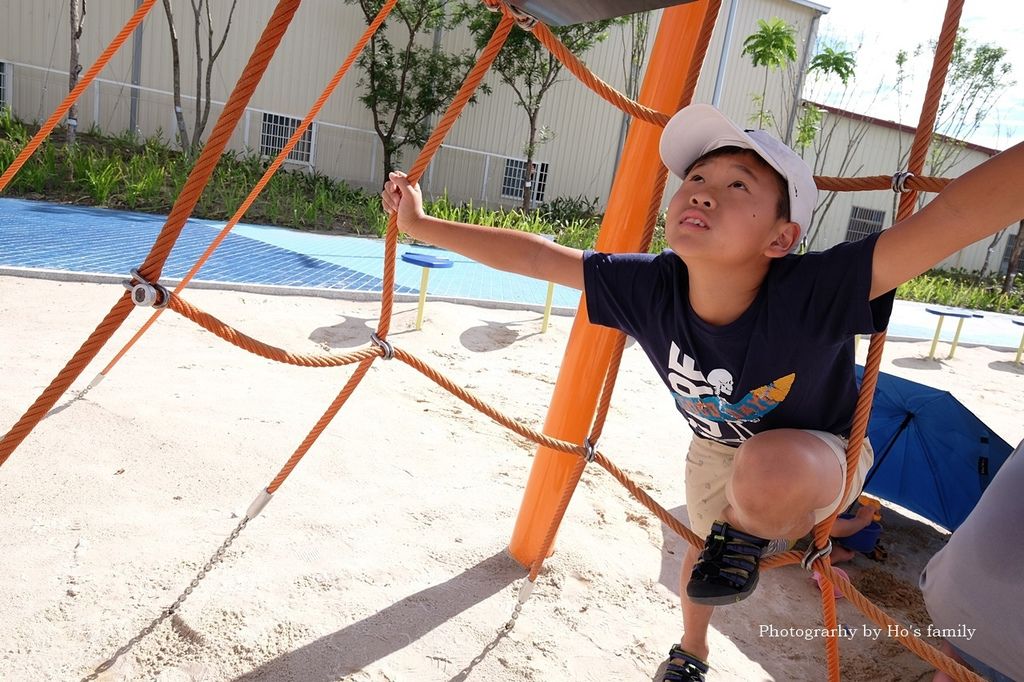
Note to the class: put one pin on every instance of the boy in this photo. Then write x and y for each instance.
(755, 344)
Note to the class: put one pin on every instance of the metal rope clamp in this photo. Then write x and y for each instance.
(389, 350)
(813, 554)
(589, 450)
(899, 181)
(145, 293)
(525, 21)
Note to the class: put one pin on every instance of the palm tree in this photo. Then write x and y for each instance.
(771, 46)
(831, 61)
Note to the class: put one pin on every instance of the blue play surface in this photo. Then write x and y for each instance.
(94, 241)
(36, 234)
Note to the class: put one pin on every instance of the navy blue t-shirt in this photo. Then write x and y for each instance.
(786, 362)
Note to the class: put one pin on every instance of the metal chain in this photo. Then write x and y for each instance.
(525, 590)
(170, 610)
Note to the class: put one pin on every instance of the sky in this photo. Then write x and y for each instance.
(883, 27)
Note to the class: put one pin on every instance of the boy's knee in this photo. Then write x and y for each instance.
(761, 469)
(769, 486)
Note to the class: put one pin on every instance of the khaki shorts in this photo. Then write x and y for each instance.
(709, 468)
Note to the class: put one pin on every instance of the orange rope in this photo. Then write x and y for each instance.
(269, 41)
(703, 42)
(862, 411)
(76, 92)
(264, 350)
(876, 182)
(321, 424)
(218, 140)
(461, 99)
(270, 172)
(588, 78)
(473, 79)
(66, 376)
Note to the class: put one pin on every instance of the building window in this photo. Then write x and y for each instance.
(275, 133)
(1004, 267)
(4, 100)
(515, 172)
(863, 221)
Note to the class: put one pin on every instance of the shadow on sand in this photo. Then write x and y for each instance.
(375, 637)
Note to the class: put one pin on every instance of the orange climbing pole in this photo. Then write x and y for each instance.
(590, 348)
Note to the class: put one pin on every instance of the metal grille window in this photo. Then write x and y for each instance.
(1005, 265)
(515, 173)
(4, 101)
(863, 221)
(275, 133)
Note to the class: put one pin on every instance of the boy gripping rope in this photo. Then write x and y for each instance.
(754, 342)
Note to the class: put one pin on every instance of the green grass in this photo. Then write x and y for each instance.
(963, 290)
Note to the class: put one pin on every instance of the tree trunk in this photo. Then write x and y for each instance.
(179, 116)
(75, 67)
(204, 81)
(388, 158)
(528, 173)
(1015, 254)
(988, 254)
(196, 131)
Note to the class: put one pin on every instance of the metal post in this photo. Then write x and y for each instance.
(935, 339)
(723, 59)
(956, 337)
(424, 278)
(547, 307)
(133, 111)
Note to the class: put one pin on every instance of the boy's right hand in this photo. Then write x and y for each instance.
(403, 199)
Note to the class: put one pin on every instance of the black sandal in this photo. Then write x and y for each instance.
(682, 666)
(726, 571)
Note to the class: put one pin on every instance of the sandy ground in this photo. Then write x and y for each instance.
(383, 556)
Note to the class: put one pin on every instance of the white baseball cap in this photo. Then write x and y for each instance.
(700, 128)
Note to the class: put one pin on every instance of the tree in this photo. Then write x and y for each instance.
(989, 250)
(637, 30)
(531, 71)
(832, 61)
(203, 94)
(1015, 255)
(772, 46)
(77, 15)
(978, 75)
(831, 72)
(407, 81)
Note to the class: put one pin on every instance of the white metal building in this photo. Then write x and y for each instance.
(483, 157)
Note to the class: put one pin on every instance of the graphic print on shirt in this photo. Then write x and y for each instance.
(704, 401)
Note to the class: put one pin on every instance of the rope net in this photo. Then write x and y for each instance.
(363, 358)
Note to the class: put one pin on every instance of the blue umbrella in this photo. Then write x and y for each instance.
(932, 455)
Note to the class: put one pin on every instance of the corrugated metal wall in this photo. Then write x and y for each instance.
(580, 158)
(882, 150)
